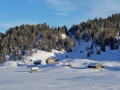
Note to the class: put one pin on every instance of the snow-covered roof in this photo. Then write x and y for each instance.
(34, 68)
(38, 61)
(93, 64)
(51, 57)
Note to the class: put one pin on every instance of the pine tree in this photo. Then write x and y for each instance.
(88, 54)
(98, 52)
(103, 48)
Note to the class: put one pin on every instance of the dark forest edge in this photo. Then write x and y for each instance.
(27, 39)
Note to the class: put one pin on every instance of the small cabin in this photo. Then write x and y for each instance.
(70, 65)
(37, 62)
(34, 69)
(95, 65)
(50, 60)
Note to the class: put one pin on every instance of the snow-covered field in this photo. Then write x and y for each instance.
(59, 76)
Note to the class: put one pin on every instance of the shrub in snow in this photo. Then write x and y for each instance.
(69, 50)
(91, 51)
(66, 56)
(98, 52)
(87, 48)
(81, 51)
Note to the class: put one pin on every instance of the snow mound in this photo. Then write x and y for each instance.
(63, 36)
(112, 64)
(42, 55)
(10, 64)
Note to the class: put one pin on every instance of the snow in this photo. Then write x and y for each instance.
(34, 68)
(10, 64)
(38, 61)
(59, 76)
(42, 55)
(117, 37)
(63, 36)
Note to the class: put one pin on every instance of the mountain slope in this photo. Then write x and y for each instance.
(61, 77)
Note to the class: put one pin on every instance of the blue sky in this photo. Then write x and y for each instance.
(53, 12)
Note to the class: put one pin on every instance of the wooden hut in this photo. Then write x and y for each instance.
(34, 69)
(37, 62)
(70, 65)
(95, 65)
(50, 60)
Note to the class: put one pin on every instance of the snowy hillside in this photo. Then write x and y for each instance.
(109, 55)
(59, 76)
